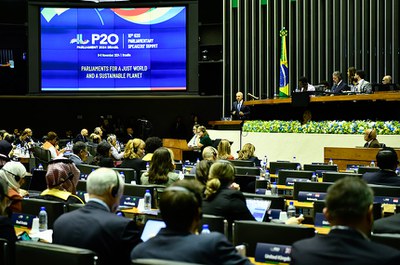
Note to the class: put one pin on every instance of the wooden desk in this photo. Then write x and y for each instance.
(342, 156)
(226, 125)
(177, 146)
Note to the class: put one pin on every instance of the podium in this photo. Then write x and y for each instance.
(178, 146)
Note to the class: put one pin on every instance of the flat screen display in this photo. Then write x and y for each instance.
(103, 48)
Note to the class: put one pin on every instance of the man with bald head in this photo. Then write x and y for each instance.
(239, 110)
(387, 79)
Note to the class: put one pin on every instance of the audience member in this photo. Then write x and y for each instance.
(349, 210)
(203, 170)
(62, 176)
(25, 139)
(180, 207)
(224, 150)
(351, 72)
(209, 153)
(129, 135)
(103, 155)
(82, 136)
(204, 137)
(304, 86)
(133, 153)
(338, 84)
(248, 153)
(7, 230)
(79, 154)
(194, 141)
(95, 226)
(152, 144)
(387, 79)
(6, 144)
(370, 138)
(362, 86)
(240, 111)
(97, 135)
(387, 161)
(389, 225)
(307, 117)
(14, 173)
(220, 199)
(116, 153)
(51, 144)
(161, 171)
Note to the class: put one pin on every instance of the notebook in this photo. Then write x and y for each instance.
(258, 208)
(151, 228)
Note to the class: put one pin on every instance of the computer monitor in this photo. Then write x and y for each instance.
(38, 180)
(285, 174)
(275, 166)
(310, 191)
(151, 229)
(320, 168)
(330, 176)
(277, 202)
(258, 208)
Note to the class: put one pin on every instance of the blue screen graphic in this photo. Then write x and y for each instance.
(113, 49)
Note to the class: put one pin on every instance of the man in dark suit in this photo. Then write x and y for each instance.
(389, 225)
(387, 161)
(239, 110)
(349, 210)
(338, 84)
(96, 226)
(180, 207)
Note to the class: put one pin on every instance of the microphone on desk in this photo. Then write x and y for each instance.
(252, 96)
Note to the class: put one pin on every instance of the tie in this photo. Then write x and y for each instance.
(238, 107)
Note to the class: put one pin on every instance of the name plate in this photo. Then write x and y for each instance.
(291, 181)
(306, 196)
(386, 200)
(272, 253)
(22, 220)
(320, 220)
(130, 201)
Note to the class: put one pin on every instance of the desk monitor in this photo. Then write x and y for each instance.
(38, 180)
(313, 187)
(364, 169)
(284, 174)
(320, 167)
(250, 233)
(320, 205)
(247, 183)
(274, 167)
(330, 176)
(53, 208)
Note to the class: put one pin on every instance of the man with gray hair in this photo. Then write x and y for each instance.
(349, 210)
(96, 226)
(338, 84)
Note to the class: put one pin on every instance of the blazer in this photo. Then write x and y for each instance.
(243, 108)
(389, 224)
(337, 89)
(135, 163)
(93, 227)
(228, 203)
(373, 144)
(211, 248)
(344, 247)
(382, 177)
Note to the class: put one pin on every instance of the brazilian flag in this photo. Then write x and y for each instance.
(284, 70)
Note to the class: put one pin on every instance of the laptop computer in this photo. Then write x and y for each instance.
(38, 181)
(258, 208)
(151, 228)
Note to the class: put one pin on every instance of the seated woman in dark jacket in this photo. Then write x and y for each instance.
(103, 155)
(220, 199)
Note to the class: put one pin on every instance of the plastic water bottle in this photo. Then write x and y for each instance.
(122, 174)
(262, 170)
(42, 219)
(184, 169)
(147, 200)
(274, 189)
(314, 177)
(291, 210)
(147, 166)
(330, 162)
(267, 175)
(372, 163)
(40, 167)
(197, 161)
(205, 229)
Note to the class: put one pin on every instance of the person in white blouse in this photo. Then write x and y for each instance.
(115, 147)
(195, 139)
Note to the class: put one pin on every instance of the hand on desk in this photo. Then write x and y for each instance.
(295, 220)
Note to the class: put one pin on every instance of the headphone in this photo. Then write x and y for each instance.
(114, 190)
(16, 177)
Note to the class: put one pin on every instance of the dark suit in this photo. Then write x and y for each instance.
(135, 163)
(243, 108)
(344, 247)
(389, 224)
(373, 144)
(93, 227)
(211, 248)
(81, 138)
(228, 203)
(337, 89)
(382, 177)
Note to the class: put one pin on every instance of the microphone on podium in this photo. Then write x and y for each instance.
(252, 96)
